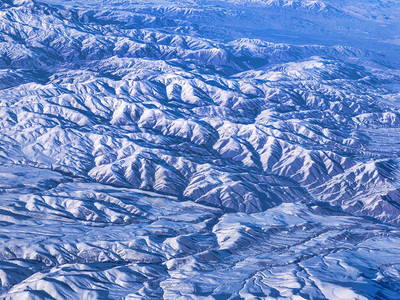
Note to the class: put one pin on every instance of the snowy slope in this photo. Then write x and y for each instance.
(189, 149)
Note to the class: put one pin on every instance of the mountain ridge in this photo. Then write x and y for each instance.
(144, 154)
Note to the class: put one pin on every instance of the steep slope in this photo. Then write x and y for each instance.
(146, 145)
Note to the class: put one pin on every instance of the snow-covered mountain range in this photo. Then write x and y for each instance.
(199, 149)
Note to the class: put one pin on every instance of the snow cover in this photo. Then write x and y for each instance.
(199, 149)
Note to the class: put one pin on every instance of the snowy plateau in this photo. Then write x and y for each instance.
(200, 149)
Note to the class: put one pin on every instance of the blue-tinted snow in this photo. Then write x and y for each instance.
(199, 149)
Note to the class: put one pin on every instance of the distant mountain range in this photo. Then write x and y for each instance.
(199, 149)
